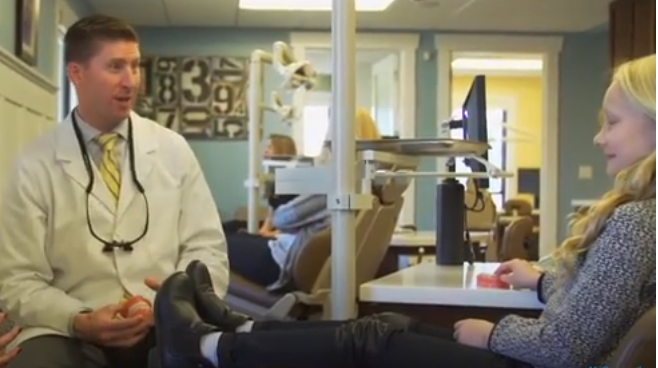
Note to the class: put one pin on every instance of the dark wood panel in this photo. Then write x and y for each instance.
(621, 31)
(644, 27)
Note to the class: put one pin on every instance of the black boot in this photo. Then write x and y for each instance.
(211, 308)
(364, 341)
(178, 327)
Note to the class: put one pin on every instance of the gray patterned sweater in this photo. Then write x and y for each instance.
(585, 318)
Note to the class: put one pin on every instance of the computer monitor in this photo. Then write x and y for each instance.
(474, 124)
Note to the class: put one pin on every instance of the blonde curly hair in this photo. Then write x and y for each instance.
(365, 128)
(637, 80)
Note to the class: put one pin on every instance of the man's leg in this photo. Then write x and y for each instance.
(58, 352)
(132, 357)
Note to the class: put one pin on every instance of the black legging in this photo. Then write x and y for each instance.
(236, 226)
(250, 257)
(314, 345)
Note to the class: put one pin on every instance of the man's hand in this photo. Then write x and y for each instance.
(106, 328)
(7, 356)
(152, 283)
(473, 332)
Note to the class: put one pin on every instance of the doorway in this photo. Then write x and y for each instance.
(514, 116)
(547, 50)
(387, 65)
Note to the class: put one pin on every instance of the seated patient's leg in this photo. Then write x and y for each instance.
(365, 343)
(216, 312)
(58, 352)
(185, 340)
(290, 325)
(396, 320)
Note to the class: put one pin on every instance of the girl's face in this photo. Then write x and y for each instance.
(627, 134)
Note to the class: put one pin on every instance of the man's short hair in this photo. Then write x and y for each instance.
(83, 38)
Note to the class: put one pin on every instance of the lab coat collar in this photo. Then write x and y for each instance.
(90, 133)
(67, 152)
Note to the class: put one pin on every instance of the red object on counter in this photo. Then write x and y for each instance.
(490, 281)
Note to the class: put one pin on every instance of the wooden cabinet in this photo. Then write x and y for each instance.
(632, 29)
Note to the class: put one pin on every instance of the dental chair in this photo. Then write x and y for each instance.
(517, 207)
(516, 241)
(312, 267)
(637, 349)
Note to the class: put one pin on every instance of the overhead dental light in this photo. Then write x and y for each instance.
(299, 76)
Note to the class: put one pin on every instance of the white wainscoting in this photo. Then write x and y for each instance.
(28, 106)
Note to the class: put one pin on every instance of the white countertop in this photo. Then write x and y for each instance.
(430, 284)
(428, 238)
(583, 202)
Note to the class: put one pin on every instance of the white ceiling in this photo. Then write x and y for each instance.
(471, 15)
(321, 61)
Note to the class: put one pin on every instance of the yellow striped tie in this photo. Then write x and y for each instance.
(109, 168)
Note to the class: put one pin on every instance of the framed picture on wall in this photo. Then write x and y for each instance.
(27, 29)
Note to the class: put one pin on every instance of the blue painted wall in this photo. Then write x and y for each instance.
(224, 163)
(584, 68)
(585, 71)
(583, 63)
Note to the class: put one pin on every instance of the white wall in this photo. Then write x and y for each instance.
(28, 106)
(28, 99)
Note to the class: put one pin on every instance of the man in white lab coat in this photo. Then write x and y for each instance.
(104, 206)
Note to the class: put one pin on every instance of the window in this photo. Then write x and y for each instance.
(73, 96)
(497, 154)
(67, 99)
(315, 125)
(62, 98)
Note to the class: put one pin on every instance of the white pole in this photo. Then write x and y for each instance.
(343, 247)
(255, 123)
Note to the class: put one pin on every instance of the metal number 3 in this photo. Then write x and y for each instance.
(200, 81)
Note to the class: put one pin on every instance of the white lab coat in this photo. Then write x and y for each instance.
(51, 267)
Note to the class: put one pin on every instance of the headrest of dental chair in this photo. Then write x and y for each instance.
(517, 206)
(388, 191)
(288, 158)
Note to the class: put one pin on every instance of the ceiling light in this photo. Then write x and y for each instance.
(498, 64)
(311, 5)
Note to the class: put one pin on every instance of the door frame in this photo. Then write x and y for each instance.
(407, 45)
(390, 61)
(549, 47)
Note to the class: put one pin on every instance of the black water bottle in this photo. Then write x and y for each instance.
(450, 223)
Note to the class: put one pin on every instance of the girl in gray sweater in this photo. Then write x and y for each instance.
(604, 281)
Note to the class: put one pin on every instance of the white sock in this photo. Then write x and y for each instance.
(209, 347)
(245, 327)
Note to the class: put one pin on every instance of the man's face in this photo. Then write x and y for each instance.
(108, 82)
